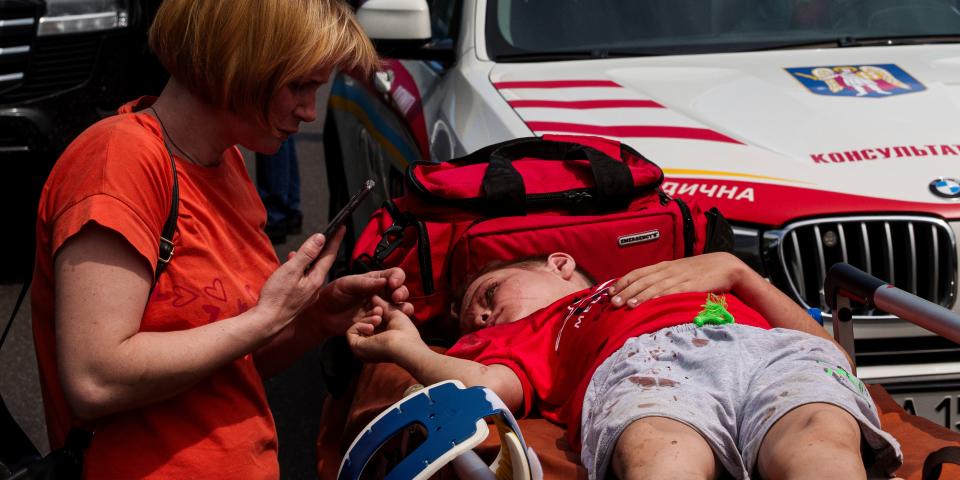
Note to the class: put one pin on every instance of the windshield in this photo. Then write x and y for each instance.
(534, 29)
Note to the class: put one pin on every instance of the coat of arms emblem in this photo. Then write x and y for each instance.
(874, 81)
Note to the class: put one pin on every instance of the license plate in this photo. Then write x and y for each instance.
(938, 407)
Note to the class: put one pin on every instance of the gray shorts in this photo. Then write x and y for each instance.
(729, 382)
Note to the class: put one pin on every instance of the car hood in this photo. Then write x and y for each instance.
(768, 136)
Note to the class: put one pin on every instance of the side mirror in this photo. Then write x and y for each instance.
(401, 29)
(407, 20)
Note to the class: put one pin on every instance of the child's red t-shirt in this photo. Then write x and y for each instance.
(555, 351)
(117, 175)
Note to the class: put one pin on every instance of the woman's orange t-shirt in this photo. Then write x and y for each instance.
(117, 174)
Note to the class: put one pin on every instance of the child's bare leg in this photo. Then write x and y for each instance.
(658, 447)
(814, 441)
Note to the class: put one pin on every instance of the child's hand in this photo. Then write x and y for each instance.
(712, 272)
(382, 332)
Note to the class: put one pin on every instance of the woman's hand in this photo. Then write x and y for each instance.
(323, 311)
(295, 285)
(398, 332)
(347, 298)
(711, 272)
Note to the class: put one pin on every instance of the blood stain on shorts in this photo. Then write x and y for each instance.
(648, 382)
(700, 342)
(643, 381)
(666, 382)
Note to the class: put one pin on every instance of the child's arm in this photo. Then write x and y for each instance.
(716, 272)
(400, 342)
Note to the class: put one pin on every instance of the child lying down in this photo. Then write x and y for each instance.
(684, 369)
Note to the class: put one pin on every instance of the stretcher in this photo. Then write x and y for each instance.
(930, 450)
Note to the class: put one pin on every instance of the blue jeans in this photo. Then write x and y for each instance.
(278, 183)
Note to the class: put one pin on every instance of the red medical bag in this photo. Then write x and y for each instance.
(594, 198)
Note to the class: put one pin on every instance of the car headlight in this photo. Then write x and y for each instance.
(79, 16)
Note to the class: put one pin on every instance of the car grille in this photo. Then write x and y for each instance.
(17, 24)
(917, 254)
(58, 63)
(32, 68)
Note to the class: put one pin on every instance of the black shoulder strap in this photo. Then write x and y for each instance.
(166, 248)
(67, 462)
(166, 236)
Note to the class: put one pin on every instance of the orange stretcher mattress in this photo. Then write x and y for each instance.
(380, 385)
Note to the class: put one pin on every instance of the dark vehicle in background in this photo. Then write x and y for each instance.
(64, 64)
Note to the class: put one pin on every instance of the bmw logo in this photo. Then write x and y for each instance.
(945, 188)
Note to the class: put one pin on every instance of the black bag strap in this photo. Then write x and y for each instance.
(170, 226)
(165, 254)
(505, 191)
(933, 465)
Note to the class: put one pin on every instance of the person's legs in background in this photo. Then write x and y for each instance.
(278, 182)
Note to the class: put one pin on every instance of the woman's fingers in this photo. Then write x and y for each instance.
(386, 284)
(372, 282)
(308, 251)
(400, 295)
(325, 257)
(379, 302)
(406, 308)
(362, 285)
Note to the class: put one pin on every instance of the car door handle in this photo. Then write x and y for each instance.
(383, 81)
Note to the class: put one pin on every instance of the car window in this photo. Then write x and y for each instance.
(444, 20)
(611, 27)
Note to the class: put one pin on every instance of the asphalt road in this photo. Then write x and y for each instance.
(296, 396)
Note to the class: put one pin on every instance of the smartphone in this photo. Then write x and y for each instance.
(344, 213)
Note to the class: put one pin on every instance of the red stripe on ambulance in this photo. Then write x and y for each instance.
(584, 104)
(633, 131)
(557, 84)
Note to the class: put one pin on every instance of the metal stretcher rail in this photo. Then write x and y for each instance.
(845, 283)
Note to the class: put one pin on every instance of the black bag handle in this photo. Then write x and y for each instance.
(505, 191)
(933, 465)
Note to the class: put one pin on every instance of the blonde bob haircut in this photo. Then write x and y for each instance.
(237, 54)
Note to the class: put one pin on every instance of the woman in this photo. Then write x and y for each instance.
(168, 374)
